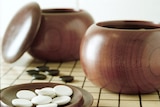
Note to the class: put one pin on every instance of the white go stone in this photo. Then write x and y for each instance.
(62, 100)
(22, 103)
(25, 94)
(62, 90)
(38, 100)
(47, 91)
(48, 105)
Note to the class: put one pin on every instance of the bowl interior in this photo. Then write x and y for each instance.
(130, 25)
(59, 10)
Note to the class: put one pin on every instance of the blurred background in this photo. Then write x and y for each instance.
(101, 10)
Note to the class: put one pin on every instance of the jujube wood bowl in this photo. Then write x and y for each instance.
(47, 34)
(123, 56)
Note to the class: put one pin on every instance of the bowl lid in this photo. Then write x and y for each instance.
(21, 32)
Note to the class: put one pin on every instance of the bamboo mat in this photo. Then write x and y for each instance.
(15, 73)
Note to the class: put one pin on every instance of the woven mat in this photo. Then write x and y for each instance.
(15, 73)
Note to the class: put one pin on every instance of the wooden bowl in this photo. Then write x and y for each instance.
(80, 97)
(60, 34)
(123, 56)
(47, 34)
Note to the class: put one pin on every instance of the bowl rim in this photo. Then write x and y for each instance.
(111, 25)
(61, 11)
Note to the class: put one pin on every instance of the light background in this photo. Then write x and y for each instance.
(101, 10)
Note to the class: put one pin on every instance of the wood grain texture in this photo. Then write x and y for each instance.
(60, 34)
(123, 56)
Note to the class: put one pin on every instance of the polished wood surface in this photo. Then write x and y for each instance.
(21, 32)
(123, 56)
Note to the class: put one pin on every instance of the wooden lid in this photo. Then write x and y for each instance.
(21, 32)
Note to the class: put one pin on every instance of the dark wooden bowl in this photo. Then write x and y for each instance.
(60, 34)
(50, 34)
(123, 56)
